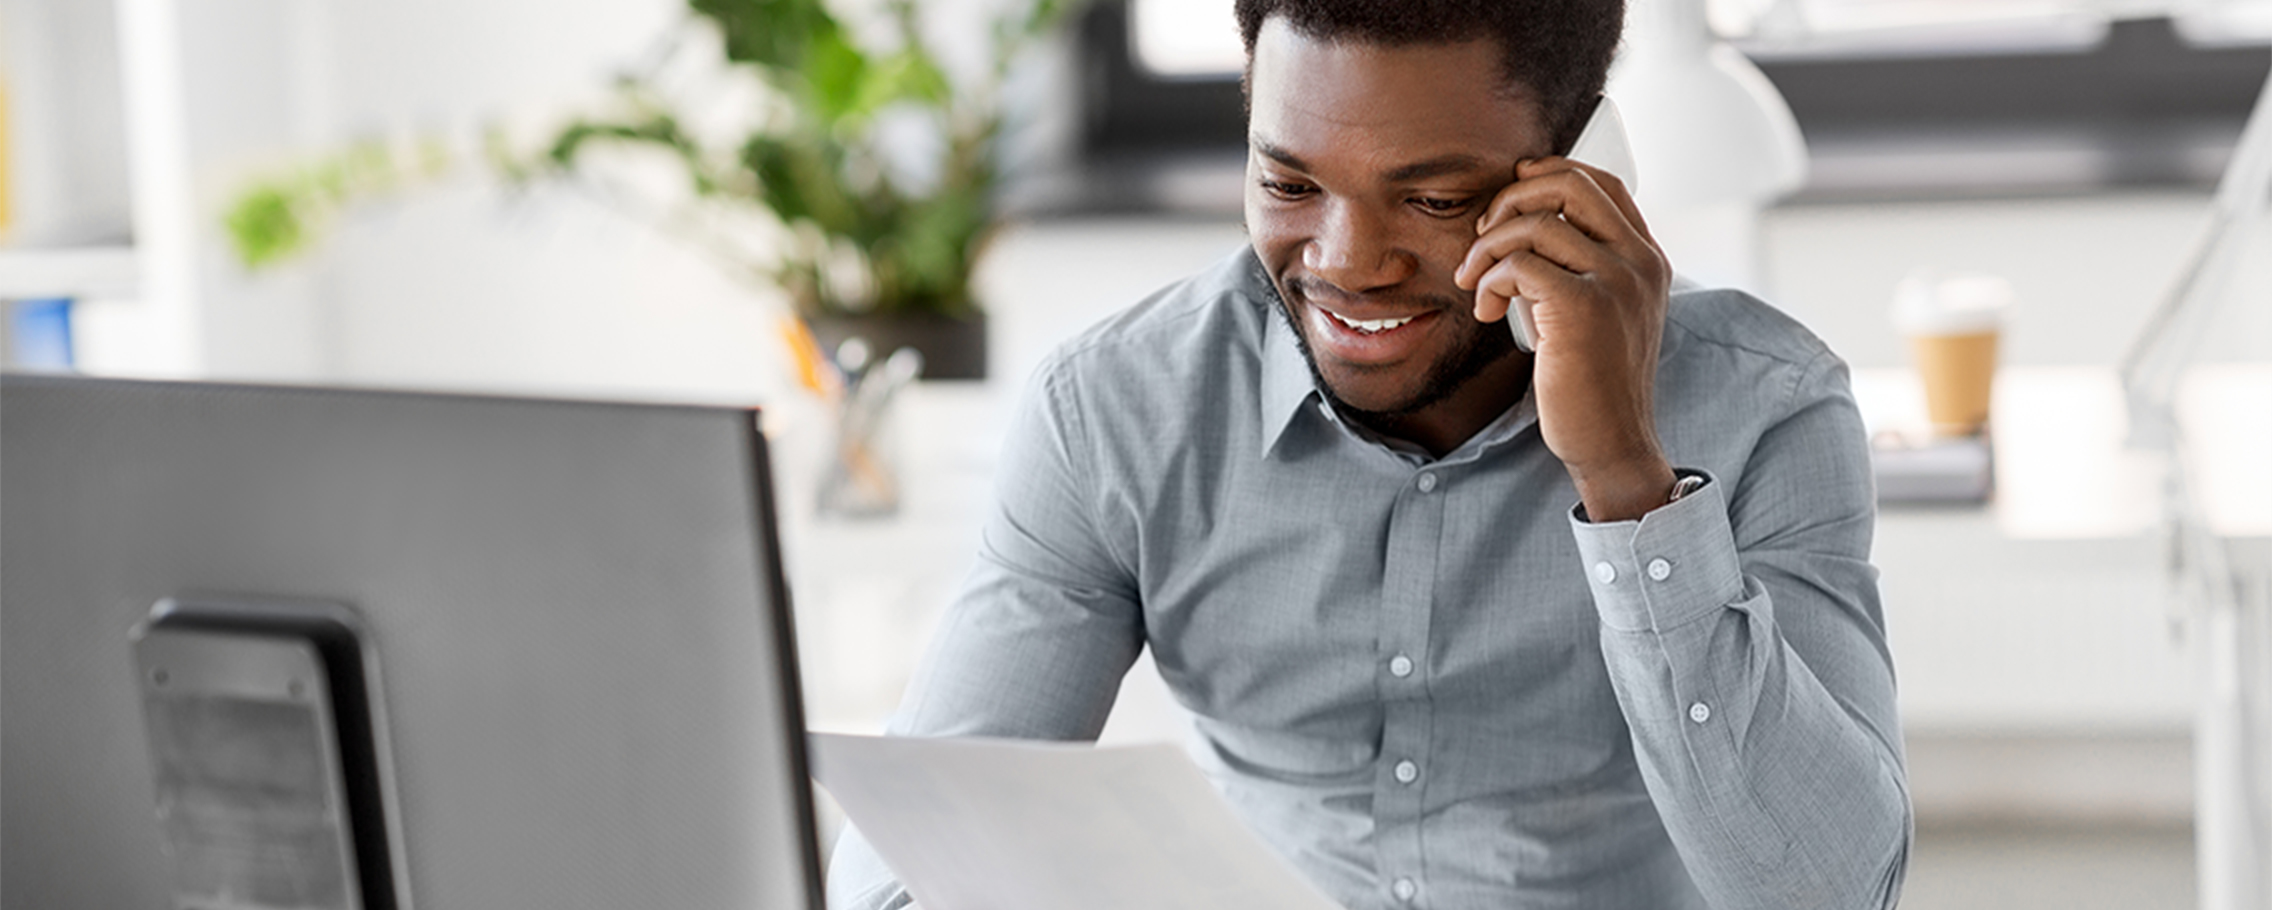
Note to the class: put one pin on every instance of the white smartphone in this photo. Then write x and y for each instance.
(1602, 144)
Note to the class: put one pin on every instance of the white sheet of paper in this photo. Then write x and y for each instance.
(973, 824)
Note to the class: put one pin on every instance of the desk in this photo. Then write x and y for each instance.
(2048, 608)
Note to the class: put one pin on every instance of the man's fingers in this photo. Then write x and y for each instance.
(1521, 274)
(1610, 184)
(1546, 235)
(1543, 185)
(1559, 186)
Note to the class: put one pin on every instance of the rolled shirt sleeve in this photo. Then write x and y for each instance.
(1744, 640)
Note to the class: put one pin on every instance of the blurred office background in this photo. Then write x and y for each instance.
(2071, 147)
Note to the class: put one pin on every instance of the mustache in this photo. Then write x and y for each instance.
(1308, 289)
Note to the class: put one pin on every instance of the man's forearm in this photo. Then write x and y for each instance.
(1776, 794)
(1794, 805)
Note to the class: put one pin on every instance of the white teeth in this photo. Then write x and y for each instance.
(1370, 325)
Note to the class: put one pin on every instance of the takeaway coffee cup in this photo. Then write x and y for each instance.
(1952, 322)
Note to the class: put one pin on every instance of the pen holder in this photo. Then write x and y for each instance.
(862, 478)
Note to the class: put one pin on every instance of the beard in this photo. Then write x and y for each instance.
(1476, 350)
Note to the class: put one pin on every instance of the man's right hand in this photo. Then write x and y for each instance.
(1567, 236)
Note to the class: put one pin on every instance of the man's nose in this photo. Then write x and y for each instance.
(1356, 251)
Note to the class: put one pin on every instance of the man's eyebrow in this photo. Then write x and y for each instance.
(1277, 154)
(1456, 163)
(1460, 163)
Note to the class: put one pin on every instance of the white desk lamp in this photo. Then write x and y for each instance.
(1713, 140)
(2225, 592)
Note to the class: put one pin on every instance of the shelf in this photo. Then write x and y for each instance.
(77, 272)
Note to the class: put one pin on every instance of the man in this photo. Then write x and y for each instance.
(1459, 626)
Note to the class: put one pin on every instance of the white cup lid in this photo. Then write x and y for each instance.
(1934, 303)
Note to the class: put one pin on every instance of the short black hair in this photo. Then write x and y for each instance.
(1558, 49)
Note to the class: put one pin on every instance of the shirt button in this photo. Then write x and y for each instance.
(1660, 569)
(1400, 666)
(1605, 573)
(1700, 712)
(1405, 889)
(1407, 772)
(1427, 483)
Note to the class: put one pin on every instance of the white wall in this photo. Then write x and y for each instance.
(467, 286)
(458, 282)
(2087, 271)
(66, 129)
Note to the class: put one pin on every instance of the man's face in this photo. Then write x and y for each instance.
(1367, 168)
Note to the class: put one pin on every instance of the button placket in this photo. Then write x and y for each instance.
(1409, 584)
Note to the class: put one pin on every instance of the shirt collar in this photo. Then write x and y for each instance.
(1288, 386)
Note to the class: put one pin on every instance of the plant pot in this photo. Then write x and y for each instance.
(952, 347)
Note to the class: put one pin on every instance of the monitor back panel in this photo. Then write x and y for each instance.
(581, 631)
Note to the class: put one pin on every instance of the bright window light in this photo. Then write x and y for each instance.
(2227, 22)
(1186, 38)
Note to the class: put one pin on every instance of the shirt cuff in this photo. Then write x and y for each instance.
(1673, 565)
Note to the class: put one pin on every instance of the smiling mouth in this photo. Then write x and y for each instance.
(1371, 326)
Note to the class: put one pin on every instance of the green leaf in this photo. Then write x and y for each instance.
(802, 179)
(835, 75)
(265, 227)
(658, 129)
(910, 75)
(768, 158)
(769, 33)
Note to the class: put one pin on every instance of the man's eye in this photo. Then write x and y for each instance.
(1284, 190)
(1439, 206)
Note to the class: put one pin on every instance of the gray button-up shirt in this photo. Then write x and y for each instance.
(1430, 682)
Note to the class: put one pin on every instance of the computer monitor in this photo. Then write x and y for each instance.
(581, 664)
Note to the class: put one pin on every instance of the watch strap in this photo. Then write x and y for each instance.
(1686, 484)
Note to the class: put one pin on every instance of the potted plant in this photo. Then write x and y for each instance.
(867, 252)
(862, 249)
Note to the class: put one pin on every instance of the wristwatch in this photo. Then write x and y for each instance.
(1688, 483)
